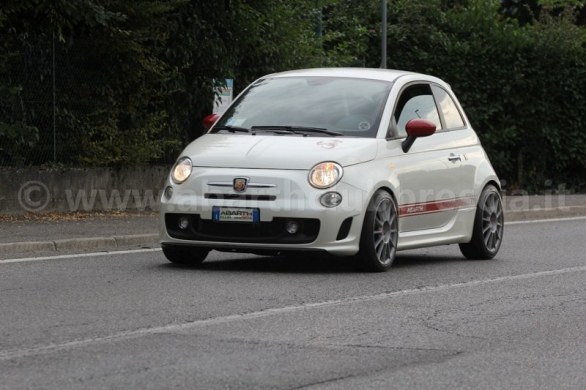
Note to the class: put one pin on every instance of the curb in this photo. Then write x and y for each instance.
(150, 240)
(545, 213)
(90, 243)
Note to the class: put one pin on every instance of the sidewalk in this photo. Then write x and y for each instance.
(78, 232)
(57, 233)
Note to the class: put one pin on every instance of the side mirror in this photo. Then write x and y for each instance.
(209, 121)
(417, 128)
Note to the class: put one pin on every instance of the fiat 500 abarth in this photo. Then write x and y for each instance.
(349, 162)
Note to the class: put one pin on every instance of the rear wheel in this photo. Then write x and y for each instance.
(185, 254)
(487, 234)
(380, 233)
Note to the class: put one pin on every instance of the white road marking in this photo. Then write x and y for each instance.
(74, 256)
(569, 219)
(132, 334)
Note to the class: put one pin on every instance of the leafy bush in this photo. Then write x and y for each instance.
(16, 140)
(134, 79)
(522, 86)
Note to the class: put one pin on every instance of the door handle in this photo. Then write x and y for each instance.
(455, 157)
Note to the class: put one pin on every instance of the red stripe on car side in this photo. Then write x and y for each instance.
(412, 209)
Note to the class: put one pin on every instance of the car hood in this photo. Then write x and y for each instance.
(277, 152)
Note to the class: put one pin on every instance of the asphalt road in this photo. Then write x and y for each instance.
(435, 321)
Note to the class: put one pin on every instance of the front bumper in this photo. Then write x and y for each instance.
(281, 196)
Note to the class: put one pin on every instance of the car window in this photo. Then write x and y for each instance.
(349, 106)
(452, 115)
(416, 101)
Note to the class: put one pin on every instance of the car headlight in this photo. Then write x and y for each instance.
(181, 170)
(325, 175)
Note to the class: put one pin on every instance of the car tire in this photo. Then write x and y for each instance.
(487, 233)
(185, 255)
(380, 233)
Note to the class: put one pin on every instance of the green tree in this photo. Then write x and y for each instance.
(528, 11)
(134, 79)
(520, 85)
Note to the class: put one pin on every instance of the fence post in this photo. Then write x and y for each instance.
(54, 105)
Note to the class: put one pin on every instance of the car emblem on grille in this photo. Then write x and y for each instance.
(239, 184)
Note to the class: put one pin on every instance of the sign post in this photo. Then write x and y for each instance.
(223, 97)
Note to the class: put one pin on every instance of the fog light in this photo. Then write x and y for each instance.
(183, 223)
(292, 227)
(330, 199)
(168, 192)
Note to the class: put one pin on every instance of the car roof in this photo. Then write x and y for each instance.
(366, 73)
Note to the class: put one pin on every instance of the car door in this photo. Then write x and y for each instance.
(465, 151)
(429, 175)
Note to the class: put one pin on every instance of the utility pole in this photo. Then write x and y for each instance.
(318, 19)
(383, 63)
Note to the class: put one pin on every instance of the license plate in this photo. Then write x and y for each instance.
(235, 214)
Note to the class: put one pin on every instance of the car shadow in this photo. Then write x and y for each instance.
(275, 264)
(303, 264)
(407, 260)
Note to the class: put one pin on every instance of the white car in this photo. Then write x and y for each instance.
(343, 161)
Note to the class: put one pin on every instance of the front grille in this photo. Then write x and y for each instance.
(240, 197)
(272, 232)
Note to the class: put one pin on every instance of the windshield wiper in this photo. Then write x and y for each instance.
(232, 129)
(303, 130)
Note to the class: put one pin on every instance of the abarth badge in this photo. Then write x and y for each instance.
(240, 184)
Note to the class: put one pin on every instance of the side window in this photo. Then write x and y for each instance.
(450, 111)
(416, 101)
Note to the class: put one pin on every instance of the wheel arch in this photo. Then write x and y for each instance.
(494, 183)
(489, 181)
(389, 190)
(385, 187)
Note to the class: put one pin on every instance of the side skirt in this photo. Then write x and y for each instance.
(457, 230)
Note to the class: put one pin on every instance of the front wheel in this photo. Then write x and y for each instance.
(380, 233)
(487, 233)
(185, 254)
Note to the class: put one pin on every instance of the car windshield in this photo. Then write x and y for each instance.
(308, 106)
